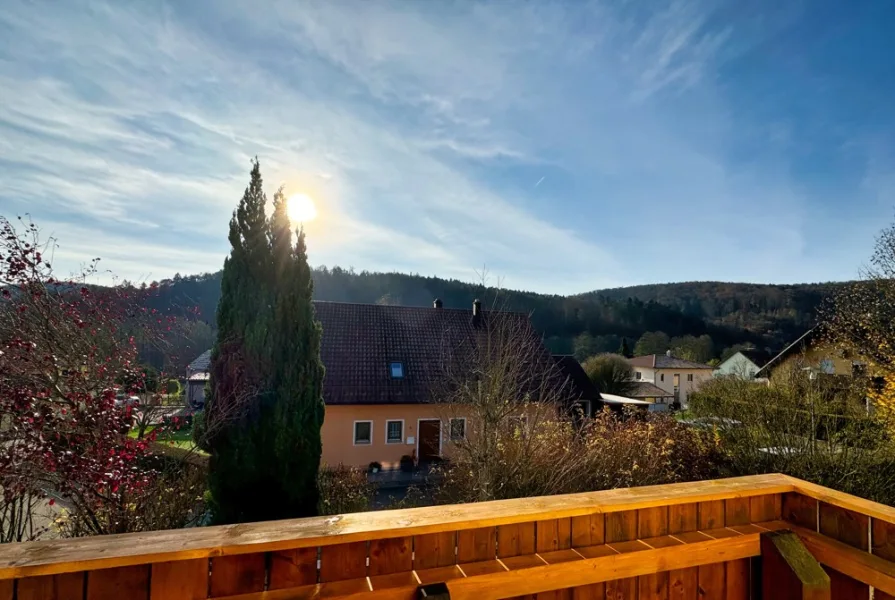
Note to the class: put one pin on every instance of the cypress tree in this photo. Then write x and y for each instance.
(265, 391)
(623, 349)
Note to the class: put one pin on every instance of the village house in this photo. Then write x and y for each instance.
(743, 364)
(384, 372)
(812, 353)
(676, 376)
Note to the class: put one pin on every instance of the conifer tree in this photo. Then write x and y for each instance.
(265, 392)
(623, 349)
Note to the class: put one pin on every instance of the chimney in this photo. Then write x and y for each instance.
(437, 303)
(668, 353)
(476, 311)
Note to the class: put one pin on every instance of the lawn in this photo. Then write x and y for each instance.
(181, 438)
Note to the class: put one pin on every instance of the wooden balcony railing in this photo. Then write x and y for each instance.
(737, 538)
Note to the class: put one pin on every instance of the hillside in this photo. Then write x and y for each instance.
(765, 315)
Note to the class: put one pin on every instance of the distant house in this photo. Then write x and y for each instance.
(384, 368)
(196, 377)
(744, 364)
(812, 353)
(659, 400)
(676, 376)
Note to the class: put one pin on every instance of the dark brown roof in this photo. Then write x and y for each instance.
(645, 389)
(570, 370)
(360, 341)
(663, 361)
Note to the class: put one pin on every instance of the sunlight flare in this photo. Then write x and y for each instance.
(301, 208)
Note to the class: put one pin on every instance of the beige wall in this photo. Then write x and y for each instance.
(338, 433)
(814, 356)
(686, 387)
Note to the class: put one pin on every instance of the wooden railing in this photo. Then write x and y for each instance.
(692, 540)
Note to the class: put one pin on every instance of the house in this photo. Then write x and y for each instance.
(385, 368)
(196, 378)
(659, 400)
(743, 364)
(676, 376)
(812, 353)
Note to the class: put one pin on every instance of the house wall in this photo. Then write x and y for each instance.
(815, 356)
(686, 388)
(737, 366)
(338, 433)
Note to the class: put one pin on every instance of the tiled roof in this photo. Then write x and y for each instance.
(645, 389)
(663, 361)
(201, 363)
(579, 382)
(360, 341)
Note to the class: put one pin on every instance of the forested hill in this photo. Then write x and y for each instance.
(774, 311)
(699, 319)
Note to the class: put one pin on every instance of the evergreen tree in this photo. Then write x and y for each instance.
(265, 406)
(623, 349)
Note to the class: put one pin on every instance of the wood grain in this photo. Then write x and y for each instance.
(555, 534)
(789, 571)
(765, 508)
(883, 539)
(588, 530)
(800, 509)
(475, 545)
(293, 568)
(711, 514)
(621, 526)
(683, 584)
(852, 528)
(67, 586)
(180, 580)
(711, 582)
(737, 511)
(340, 563)
(394, 555)
(130, 583)
(737, 580)
(434, 550)
(237, 574)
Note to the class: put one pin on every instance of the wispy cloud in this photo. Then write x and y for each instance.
(129, 128)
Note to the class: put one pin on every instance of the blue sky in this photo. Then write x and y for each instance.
(567, 146)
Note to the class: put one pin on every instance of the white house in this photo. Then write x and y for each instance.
(743, 364)
(675, 375)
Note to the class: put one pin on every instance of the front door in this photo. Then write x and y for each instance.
(430, 439)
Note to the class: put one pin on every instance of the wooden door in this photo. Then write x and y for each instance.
(430, 440)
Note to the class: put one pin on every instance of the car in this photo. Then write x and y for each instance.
(125, 400)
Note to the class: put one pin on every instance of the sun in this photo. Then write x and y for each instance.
(300, 208)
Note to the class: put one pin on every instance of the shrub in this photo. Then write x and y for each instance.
(344, 490)
(406, 463)
(173, 388)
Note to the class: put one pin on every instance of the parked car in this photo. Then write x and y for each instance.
(125, 400)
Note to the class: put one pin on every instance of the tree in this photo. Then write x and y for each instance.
(688, 347)
(67, 349)
(623, 349)
(611, 373)
(652, 342)
(266, 361)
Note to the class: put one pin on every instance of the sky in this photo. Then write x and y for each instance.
(563, 146)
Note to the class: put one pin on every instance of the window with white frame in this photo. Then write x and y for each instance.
(363, 433)
(689, 376)
(394, 432)
(396, 369)
(458, 429)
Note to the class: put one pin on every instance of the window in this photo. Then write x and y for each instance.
(637, 375)
(397, 370)
(689, 376)
(458, 429)
(363, 433)
(394, 432)
(662, 377)
(826, 366)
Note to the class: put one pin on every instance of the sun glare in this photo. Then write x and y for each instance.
(301, 208)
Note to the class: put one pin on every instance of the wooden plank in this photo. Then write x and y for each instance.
(883, 539)
(711, 581)
(340, 563)
(711, 514)
(595, 591)
(861, 566)
(180, 580)
(737, 511)
(131, 583)
(7, 589)
(236, 574)
(843, 500)
(607, 569)
(474, 545)
(800, 509)
(621, 526)
(391, 556)
(789, 571)
(737, 580)
(434, 550)
(765, 508)
(683, 584)
(588, 531)
(851, 528)
(66, 586)
(64, 556)
(515, 540)
(653, 586)
(653, 523)
(293, 568)
(555, 534)
(622, 589)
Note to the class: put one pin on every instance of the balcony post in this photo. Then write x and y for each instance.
(788, 570)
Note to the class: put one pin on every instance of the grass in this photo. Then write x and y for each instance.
(180, 438)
